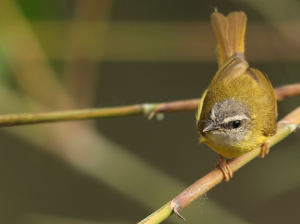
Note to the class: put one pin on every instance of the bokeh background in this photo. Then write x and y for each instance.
(67, 54)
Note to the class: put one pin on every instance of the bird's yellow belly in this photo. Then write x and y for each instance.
(227, 147)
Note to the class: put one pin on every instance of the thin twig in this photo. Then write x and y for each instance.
(176, 106)
(37, 118)
(139, 109)
(285, 127)
(283, 92)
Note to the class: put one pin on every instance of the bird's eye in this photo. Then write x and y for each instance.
(236, 124)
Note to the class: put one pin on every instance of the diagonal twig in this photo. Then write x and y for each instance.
(285, 127)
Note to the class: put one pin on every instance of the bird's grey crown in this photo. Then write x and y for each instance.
(228, 110)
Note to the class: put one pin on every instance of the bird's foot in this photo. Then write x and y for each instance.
(224, 168)
(265, 149)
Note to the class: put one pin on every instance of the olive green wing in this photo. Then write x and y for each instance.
(271, 102)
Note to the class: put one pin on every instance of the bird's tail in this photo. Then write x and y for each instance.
(230, 32)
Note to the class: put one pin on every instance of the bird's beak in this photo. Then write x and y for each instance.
(212, 127)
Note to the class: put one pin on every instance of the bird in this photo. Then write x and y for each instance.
(238, 111)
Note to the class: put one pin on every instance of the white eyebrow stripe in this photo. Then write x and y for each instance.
(212, 115)
(234, 118)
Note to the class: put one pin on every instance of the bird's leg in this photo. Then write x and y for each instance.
(265, 148)
(224, 168)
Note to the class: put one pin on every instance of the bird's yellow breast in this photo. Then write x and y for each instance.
(228, 148)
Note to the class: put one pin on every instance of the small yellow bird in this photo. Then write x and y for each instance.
(238, 111)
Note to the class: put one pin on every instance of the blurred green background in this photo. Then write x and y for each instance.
(67, 54)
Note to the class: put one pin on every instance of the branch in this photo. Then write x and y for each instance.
(285, 127)
(281, 92)
(286, 91)
(139, 109)
(37, 118)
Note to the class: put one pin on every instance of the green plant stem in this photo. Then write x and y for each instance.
(285, 127)
(36, 118)
(158, 216)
